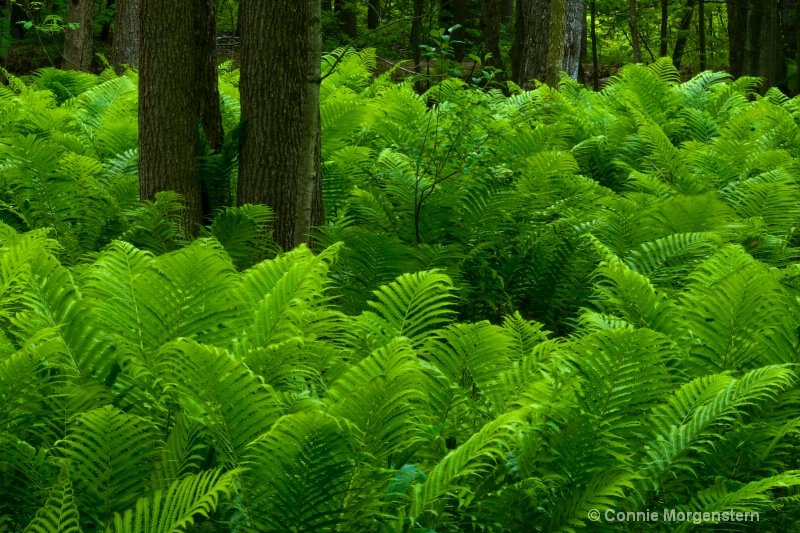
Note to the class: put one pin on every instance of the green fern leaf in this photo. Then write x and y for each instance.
(415, 304)
(174, 509)
(60, 514)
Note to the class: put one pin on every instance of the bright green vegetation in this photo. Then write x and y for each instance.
(147, 383)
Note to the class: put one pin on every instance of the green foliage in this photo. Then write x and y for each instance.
(521, 309)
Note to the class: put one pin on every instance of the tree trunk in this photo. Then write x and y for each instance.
(557, 44)
(584, 48)
(595, 62)
(788, 17)
(633, 24)
(701, 15)
(176, 97)
(771, 59)
(664, 44)
(126, 34)
(683, 33)
(756, 47)
(279, 155)
(532, 40)
(573, 51)
(507, 11)
(373, 14)
(490, 21)
(207, 77)
(347, 15)
(737, 36)
(518, 41)
(797, 49)
(78, 42)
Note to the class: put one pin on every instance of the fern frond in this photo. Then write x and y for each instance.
(415, 304)
(384, 397)
(60, 513)
(222, 392)
(174, 509)
(305, 467)
(699, 414)
(110, 457)
(458, 475)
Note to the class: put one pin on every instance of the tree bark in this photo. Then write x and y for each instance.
(518, 41)
(584, 47)
(78, 42)
(557, 44)
(126, 34)
(280, 75)
(574, 45)
(490, 21)
(373, 14)
(797, 48)
(532, 39)
(771, 61)
(737, 36)
(177, 96)
(207, 77)
(683, 33)
(633, 24)
(755, 44)
(788, 17)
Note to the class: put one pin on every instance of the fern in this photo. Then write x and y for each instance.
(109, 453)
(179, 506)
(456, 478)
(60, 513)
(414, 304)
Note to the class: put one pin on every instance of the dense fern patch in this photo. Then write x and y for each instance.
(634, 252)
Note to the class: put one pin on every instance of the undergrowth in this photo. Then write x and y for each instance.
(520, 309)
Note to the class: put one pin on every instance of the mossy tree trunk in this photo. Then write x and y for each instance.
(533, 37)
(557, 44)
